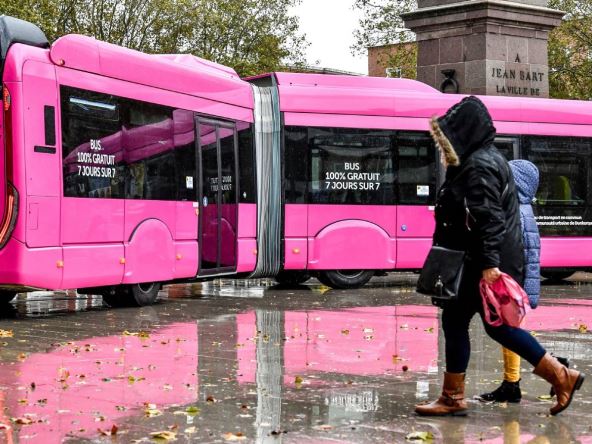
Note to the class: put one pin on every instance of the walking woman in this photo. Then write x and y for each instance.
(477, 211)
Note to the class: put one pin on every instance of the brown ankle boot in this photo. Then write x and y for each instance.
(452, 402)
(565, 381)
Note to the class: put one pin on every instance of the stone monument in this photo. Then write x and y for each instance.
(487, 47)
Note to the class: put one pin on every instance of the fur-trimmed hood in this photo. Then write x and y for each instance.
(464, 128)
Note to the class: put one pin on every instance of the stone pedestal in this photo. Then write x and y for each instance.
(487, 47)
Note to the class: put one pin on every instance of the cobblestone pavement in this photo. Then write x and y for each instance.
(247, 361)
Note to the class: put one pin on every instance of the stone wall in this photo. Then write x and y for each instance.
(495, 47)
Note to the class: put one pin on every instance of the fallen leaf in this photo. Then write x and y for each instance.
(210, 399)
(23, 420)
(111, 432)
(583, 328)
(151, 411)
(429, 330)
(165, 435)
(298, 380)
(192, 410)
(132, 379)
(234, 436)
(144, 334)
(345, 332)
(420, 436)
(6, 333)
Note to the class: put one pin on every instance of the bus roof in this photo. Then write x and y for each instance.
(346, 82)
(181, 73)
(393, 97)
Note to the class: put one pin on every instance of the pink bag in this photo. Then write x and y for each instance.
(504, 302)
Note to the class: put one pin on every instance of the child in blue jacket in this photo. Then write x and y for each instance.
(526, 176)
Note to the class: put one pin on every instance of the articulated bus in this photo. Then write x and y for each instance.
(121, 171)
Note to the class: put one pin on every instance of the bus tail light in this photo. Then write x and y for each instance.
(5, 98)
(10, 209)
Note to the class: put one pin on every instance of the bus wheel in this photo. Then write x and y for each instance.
(144, 294)
(290, 278)
(556, 275)
(345, 278)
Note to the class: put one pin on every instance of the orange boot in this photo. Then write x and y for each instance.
(565, 381)
(452, 402)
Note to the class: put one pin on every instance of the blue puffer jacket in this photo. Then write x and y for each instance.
(526, 176)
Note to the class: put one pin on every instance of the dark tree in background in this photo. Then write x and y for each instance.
(381, 25)
(570, 51)
(250, 36)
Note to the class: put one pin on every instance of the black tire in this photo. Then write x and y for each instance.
(144, 294)
(345, 279)
(292, 278)
(556, 275)
(134, 295)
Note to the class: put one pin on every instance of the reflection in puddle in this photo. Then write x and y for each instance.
(312, 375)
(253, 288)
(358, 402)
(78, 386)
(44, 303)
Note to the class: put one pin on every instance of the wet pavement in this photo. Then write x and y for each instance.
(248, 361)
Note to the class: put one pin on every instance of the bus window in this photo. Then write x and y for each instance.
(296, 161)
(416, 156)
(91, 144)
(508, 146)
(246, 162)
(185, 154)
(562, 202)
(148, 142)
(351, 166)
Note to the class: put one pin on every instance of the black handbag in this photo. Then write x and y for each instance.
(441, 274)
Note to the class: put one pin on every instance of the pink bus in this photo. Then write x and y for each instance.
(121, 171)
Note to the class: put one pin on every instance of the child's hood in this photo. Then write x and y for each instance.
(526, 176)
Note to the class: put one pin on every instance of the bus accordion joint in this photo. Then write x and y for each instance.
(10, 214)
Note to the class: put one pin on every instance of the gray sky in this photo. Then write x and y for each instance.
(328, 25)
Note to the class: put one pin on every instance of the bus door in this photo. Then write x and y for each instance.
(218, 204)
(418, 170)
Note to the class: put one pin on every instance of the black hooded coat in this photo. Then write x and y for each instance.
(477, 208)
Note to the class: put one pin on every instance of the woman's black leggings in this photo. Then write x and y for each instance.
(456, 317)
